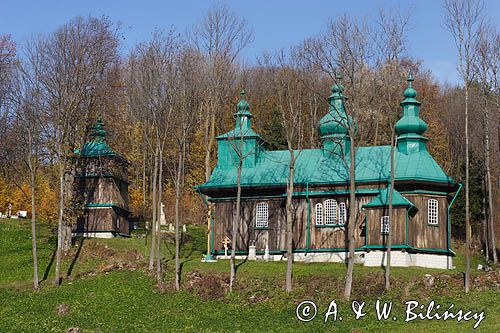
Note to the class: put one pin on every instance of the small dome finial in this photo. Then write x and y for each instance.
(409, 79)
(338, 87)
(243, 104)
(410, 92)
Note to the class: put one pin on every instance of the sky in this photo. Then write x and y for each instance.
(276, 24)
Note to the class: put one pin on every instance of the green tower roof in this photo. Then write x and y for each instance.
(243, 124)
(97, 146)
(410, 123)
(334, 123)
(413, 161)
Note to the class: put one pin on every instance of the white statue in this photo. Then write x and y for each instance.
(163, 221)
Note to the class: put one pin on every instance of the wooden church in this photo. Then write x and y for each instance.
(422, 196)
(101, 188)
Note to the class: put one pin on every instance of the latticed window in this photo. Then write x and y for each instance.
(432, 211)
(319, 213)
(261, 220)
(330, 211)
(342, 213)
(384, 225)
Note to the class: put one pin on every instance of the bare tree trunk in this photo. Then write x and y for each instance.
(158, 221)
(154, 219)
(177, 218)
(33, 214)
(57, 278)
(146, 224)
(211, 139)
(351, 225)
(236, 221)
(289, 223)
(489, 187)
(468, 230)
(485, 225)
(143, 179)
(389, 235)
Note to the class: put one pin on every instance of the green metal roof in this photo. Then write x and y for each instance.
(97, 146)
(317, 166)
(382, 200)
(95, 149)
(325, 165)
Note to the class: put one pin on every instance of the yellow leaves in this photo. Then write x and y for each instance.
(135, 204)
(46, 199)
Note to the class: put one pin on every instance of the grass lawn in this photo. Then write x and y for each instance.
(106, 289)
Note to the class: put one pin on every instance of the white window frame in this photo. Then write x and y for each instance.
(384, 225)
(342, 213)
(432, 212)
(330, 212)
(318, 210)
(262, 215)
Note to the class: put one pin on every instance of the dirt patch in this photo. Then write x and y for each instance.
(62, 309)
(210, 285)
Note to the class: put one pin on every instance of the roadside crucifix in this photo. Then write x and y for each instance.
(226, 241)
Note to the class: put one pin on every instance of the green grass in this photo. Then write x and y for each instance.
(128, 300)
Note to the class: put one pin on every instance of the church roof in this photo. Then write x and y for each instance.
(326, 165)
(97, 147)
(382, 200)
(317, 166)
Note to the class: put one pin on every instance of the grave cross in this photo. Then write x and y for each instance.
(226, 241)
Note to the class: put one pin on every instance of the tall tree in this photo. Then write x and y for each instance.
(464, 19)
(189, 67)
(74, 60)
(345, 47)
(151, 84)
(239, 151)
(7, 70)
(484, 49)
(27, 100)
(220, 36)
(289, 94)
(389, 234)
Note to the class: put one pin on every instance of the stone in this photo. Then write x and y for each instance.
(252, 253)
(74, 330)
(22, 214)
(62, 309)
(428, 280)
(266, 253)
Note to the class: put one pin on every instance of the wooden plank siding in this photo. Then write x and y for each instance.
(422, 234)
(275, 235)
(398, 226)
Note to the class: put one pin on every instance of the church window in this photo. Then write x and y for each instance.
(330, 212)
(342, 213)
(384, 225)
(432, 211)
(319, 213)
(262, 215)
